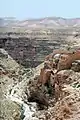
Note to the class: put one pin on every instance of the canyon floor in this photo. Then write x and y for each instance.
(18, 78)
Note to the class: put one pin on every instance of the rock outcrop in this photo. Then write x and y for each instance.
(51, 76)
(66, 60)
(61, 88)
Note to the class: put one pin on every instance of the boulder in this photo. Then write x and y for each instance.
(76, 66)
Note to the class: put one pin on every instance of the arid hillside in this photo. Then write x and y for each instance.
(40, 69)
(42, 22)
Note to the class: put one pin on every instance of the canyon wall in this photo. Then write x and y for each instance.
(31, 51)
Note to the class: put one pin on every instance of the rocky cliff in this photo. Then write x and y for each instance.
(17, 82)
(30, 50)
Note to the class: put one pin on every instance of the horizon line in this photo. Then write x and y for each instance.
(36, 18)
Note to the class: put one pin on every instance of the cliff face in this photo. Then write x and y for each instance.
(30, 52)
(30, 49)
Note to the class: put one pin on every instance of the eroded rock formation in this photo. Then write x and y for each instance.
(51, 76)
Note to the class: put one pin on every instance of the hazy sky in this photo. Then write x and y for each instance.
(22, 9)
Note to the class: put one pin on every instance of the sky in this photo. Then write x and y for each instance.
(26, 9)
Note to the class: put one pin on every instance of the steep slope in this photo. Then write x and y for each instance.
(13, 82)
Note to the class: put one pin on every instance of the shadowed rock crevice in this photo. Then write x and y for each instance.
(39, 98)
